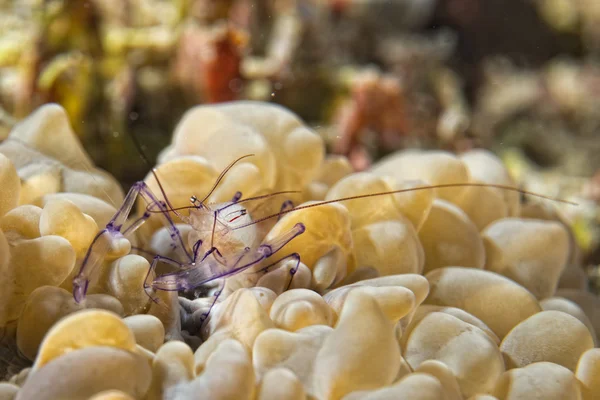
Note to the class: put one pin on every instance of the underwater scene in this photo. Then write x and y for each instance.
(299, 199)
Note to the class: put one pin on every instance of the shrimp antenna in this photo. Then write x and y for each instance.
(222, 175)
(446, 185)
(264, 196)
(143, 156)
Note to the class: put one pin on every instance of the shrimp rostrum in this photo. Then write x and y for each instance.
(221, 243)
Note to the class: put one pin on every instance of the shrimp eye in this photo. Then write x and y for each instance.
(196, 202)
(241, 213)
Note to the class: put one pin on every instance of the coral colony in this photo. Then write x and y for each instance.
(233, 270)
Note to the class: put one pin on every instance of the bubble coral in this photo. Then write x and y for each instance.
(415, 295)
(49, 158)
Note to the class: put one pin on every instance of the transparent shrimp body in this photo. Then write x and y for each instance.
(216, 248)
(223, 240)
(215, 225)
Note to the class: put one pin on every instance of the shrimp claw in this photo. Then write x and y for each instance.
(114, 237)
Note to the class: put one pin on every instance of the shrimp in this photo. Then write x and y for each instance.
(223, 239)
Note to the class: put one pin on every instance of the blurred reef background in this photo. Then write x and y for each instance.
(518, 77)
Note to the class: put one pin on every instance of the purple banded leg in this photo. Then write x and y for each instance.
(294, 269)
(205, 315)
(109, 237)
(158, 258)
(287, 205)
(136, 224)
(196, 248)
(236, 197)
(295, 256)
(267, 249)
(152, 201)
(210, 269)
(93, 258)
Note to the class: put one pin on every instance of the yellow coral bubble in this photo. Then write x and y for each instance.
(82, 329)
(112, 395)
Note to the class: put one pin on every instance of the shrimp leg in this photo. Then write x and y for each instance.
(236, 197)
(205, 315)
(209, 269)
(295, 256)
(287, 205)
(158, 258)
(111, 237)
(293, 270)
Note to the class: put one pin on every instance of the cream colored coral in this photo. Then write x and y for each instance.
(433, 167)
(395, 301)
(124, 279)
(8, 391)
(5, 271)
(333, 168)
(589, 303)
(460, 314)
(22, 222)
(181, 178)
(173, 365)
(148, 331)
(298, 308)
(443, 374)
(496, 300)
(112, 395)
(265, 296)
(298, 150)
(228, 375)
(242, 315)
(541, 380)
(467, 350)
(571, 308)
(47, 260)
(166, 309)
(532, 253)
(100, 210)
(45, 306)
(383, 238)
(296, 351)
(415, 386)
(326, 245)
(48, 130)
(414, 201)
(390, 247)
(450, 238)
(484, 205)
(63, 218)
(86, 328)
(356, 302)
(588, 373)
(113, 369)
(48, 158)
(280, 383)
(361, 353)
(20, 378)
(287, 153)
(280, 279)
(11, 185)
(37, 260)
(362, 211)
(552, 336)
